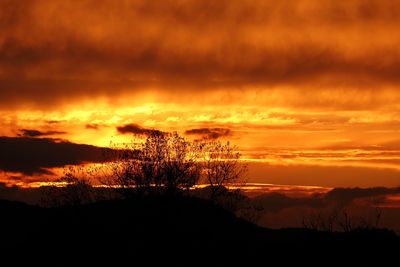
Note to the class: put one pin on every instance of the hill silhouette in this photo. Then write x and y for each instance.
(178, 230)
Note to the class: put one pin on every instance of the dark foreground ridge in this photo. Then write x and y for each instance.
(182, 231)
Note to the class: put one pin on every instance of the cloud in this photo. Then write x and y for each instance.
(210, 133)
(347, 195)
(136, 129)
(275, 202)
(53, 49)
(360, 205)
(36, 133)
(30, 156)
(322, 175)
(92, 126)
(391, 146)
(53, 121)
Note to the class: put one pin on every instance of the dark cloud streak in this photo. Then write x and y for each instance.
(35, 155)
(136, 129)
(92, 126)
(37, 133)
(210, 133)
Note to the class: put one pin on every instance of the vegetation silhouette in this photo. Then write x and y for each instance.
(147, 205)
(167, 163)
(175, 229)
(73, 189)
(339, 218)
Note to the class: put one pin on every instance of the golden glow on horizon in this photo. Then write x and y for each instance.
(250, 189)
(281, 134)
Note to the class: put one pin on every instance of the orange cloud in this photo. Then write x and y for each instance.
(53, 51)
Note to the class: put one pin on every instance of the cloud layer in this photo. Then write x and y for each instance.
(51, 50)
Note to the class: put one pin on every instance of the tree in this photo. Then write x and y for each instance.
(168, 163)
(341, 219)
(222, 166)
(165, 162)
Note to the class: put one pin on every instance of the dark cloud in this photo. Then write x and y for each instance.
(136, 129)
(53, 121)
(34, 155)
(210, 133)
(274, 202)
(347, 195)
(92, 126)
(36, 133)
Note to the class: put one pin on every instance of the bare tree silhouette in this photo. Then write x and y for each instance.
(222, 166)
(341, 219)
(168, 163)
(165, 162)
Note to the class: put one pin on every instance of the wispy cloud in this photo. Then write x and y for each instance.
(135, 129)
(37, 133)
(209, 133)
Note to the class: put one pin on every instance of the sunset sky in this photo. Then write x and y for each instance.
(307, 89)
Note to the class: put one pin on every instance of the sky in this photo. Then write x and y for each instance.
(308, 89)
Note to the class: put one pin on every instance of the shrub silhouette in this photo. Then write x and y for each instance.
(340, 219)
(164, 163)
(167, 163)
(73, 189)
